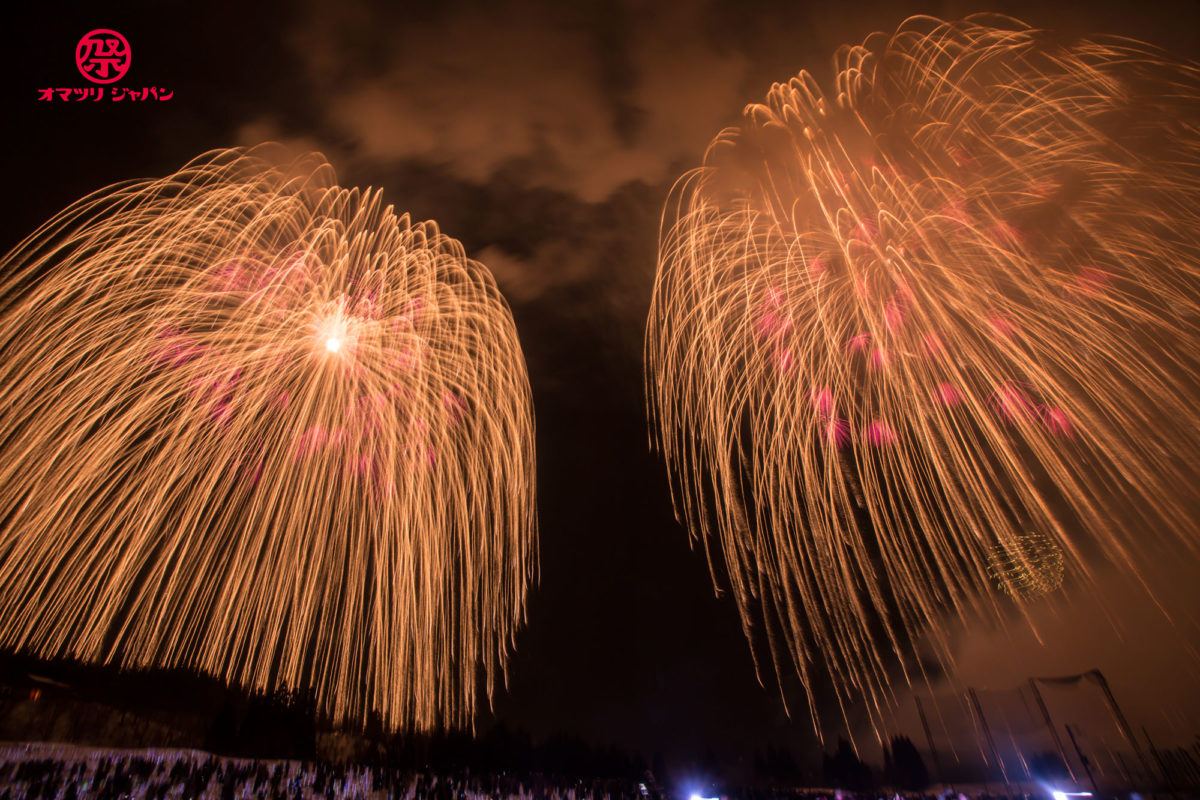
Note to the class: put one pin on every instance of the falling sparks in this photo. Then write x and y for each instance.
(257, 425)
(977, 254)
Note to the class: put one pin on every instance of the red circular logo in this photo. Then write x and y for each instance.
(102, 56)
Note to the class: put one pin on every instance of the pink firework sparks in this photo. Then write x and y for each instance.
(879, 433)
(955, 210)
(1001, 326)
(857, 343)
(947, 395)
(836, 431)
(822, 400)
(1006, 234)
(961, 157)
(456, 407)
(769, 325)
(174, 347)
(1012, 403)
(216, 392)
(1057, 422)
(1092, 282)
(311, 440)
(406, 360)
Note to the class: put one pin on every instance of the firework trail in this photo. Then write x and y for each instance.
(255, 424)
(898, 325)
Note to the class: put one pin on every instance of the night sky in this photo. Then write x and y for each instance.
(545, 136)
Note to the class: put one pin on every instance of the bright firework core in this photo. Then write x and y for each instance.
(335, 329)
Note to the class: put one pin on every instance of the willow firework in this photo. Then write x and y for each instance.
(898, 325)
(257, 425)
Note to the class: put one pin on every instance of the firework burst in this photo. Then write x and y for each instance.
(258, 425)
(1030, 568)
(897, 325)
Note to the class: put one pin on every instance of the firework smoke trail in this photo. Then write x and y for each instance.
(257, 425)
(897, 326)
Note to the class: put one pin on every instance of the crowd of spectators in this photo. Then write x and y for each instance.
(62, 772)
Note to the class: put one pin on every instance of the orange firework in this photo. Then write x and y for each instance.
(897, 325)
(257, 425)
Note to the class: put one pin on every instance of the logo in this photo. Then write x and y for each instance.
(103, 56)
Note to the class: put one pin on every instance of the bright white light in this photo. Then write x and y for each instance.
(333, 344)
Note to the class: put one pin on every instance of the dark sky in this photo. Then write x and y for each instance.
(545, 135)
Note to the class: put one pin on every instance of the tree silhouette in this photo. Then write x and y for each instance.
(903, 765)
(846, 770)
